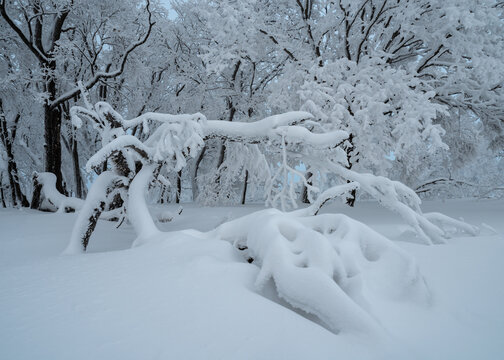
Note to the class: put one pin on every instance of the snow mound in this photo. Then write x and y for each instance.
(328, 265)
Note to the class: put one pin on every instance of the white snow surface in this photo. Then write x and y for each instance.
(181, 296)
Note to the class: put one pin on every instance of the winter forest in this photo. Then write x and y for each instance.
(221, 179)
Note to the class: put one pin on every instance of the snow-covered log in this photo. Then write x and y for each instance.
(51, 198)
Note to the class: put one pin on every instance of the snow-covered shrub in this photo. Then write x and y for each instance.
(327, 265)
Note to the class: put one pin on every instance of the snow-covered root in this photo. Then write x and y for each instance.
(94, 205)
(54, 200)
(327, 265)
(397, 197)
(138, 212)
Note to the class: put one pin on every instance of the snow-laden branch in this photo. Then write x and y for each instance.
(403, 200)
(334, 192)
(55, 199)
(179, 137)
(116, 145)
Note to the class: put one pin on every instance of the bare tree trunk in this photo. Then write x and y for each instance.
(195, 173)
(2, 196)
(352, 197)
(52, 137)
(8, 140)
(244, 192)
(37, 192)
(179, 187)
(304, 193)
(77, 173)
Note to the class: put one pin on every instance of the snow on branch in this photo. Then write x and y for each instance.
(403, 200)
(176, 138)
(334, 192)
(123, 142)
(54, 200)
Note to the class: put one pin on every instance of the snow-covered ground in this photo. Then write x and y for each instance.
(190, 298)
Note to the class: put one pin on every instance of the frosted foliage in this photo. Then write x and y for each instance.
(241, 158)
(381, 109)
(328, 265)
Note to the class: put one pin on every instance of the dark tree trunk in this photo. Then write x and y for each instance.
(244, 192)
(2, 195)
(304, 193)
(179, 187)
(92, 221)
(7, 140)
(194, 184)
(349, 150)
(52, 137)
(36, 201)
(222, 153)
(77, 173)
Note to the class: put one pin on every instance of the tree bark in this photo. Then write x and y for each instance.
(245, 184)
(195, 173)
(7, 140)
(179, 187)
(2, 195)
(350, 199)
(304, 194)
(52, 136)
(77, 173)
(37, 192)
